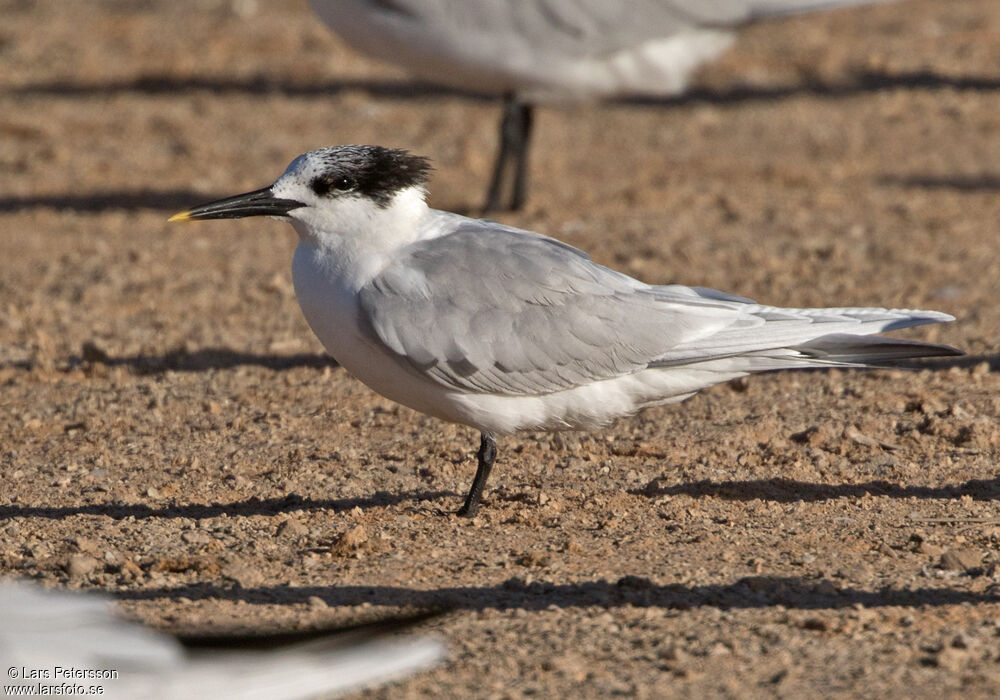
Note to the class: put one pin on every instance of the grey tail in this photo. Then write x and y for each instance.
(844, 349)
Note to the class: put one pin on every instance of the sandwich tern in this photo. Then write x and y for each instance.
(531, 51)
(503, 329)
(98, 653)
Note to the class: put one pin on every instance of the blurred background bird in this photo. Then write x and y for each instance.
(553, 51)
(42, 629)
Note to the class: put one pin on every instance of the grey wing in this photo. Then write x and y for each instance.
(491, 309)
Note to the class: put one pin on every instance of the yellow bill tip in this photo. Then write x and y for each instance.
(181, 216)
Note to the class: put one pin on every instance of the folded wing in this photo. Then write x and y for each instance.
(490, 309)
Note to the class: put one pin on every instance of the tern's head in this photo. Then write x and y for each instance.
(336, 190)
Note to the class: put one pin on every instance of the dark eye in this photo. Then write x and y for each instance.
(325, 184)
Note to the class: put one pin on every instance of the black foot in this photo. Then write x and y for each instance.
(467, 511)
(486, 457)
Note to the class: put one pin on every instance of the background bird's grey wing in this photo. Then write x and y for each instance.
(582, 28)
(496, 310)
(565, 28)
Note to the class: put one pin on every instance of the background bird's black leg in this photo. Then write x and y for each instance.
(525, 117)
(486, 456)
(512, 157)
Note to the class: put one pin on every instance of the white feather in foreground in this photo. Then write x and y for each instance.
(44, 629)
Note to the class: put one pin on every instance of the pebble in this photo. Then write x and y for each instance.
(291, 528)
(243, 574)
(81, 565)
(536, 559)
(951, 658)
(92, 352)
(960, 560)
(85, 544)
(112, 557)
(826, 587)
(673, 653)
(196, 537)
(351, 541)
(855, 573)
(130, 571)
(817, 624)
(813, 436)
(719, 649)
(930, 549)
(963, 641)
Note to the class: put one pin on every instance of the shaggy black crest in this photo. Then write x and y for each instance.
(370, 171)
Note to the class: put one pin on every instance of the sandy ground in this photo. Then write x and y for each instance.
(171, 432)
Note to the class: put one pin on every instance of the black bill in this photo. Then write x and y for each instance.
(256, 203)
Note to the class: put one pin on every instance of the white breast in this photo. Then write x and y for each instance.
(329, 304)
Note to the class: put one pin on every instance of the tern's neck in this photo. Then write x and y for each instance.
(359, 232)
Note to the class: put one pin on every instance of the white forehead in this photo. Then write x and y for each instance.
(307, 166)
(294, 182)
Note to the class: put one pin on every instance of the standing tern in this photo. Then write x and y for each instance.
(505, 330)
(531, 51)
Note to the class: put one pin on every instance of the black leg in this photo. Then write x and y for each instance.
(486, 456)
(512, 157)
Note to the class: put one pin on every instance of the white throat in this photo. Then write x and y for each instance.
(356, 237)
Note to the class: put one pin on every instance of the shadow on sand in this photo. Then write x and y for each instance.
(778, 490)
(984, 182)
(791, 491)
(95, 202)
(198, 361)
(751, 592)
(223, 358)
(251, 506)
(858, 83)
